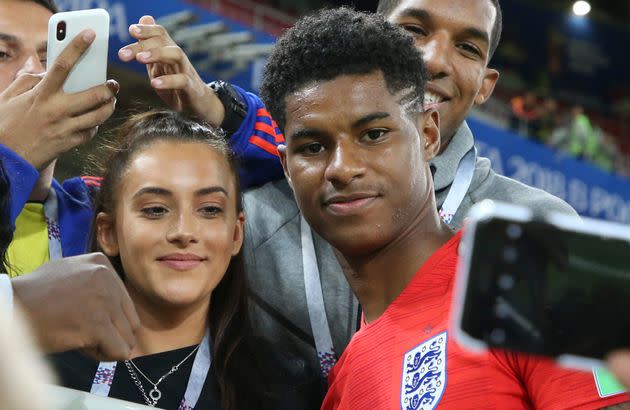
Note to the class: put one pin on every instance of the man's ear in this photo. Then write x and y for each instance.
(106, 234)
(282, 153)
(238, 233)
(488, 83)
(430, 127)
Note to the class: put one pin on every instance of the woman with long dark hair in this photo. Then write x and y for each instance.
(169, 218)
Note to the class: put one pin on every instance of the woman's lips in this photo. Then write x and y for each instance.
(180, 265)
(181, 261)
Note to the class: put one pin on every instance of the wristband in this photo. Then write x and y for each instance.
(235, 107)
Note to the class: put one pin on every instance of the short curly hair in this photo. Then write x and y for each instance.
(386, 7)
(342, 41)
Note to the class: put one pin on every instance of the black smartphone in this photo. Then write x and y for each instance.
(551, 285)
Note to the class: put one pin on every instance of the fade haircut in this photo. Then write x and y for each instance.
(49, 4)
(342, 41)
(386, 7)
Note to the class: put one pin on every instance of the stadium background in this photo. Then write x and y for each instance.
(545, 49)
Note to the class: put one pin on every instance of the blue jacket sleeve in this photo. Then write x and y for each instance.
(255, 144)
(75, 213)
(22, 178)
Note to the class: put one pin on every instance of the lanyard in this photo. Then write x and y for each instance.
(104, 376)
(315, 302)
(51, 212)
(459, 187)
(312, 280)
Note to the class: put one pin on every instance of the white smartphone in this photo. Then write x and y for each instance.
(552, 285)
(91, 68)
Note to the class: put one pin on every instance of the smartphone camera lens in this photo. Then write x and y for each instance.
(61, 30)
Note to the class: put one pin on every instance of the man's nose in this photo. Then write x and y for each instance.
(32, 65)
(345, 164)
(436, 52)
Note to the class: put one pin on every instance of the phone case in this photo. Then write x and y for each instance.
(91, 69)
(488, 210)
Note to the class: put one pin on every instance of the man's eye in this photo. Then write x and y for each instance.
(414, 30)
(312, 148)
(469, 48)
(154, 211)
(4, 55)
(375, 135)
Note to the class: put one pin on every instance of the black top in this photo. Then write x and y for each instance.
(272, 380)
(76, 371)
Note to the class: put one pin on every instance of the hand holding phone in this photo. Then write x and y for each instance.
(552, 285)
(91, 69)
(39, 120)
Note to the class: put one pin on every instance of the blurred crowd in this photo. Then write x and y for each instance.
(567, 128)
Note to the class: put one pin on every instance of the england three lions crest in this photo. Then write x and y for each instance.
(424, 374)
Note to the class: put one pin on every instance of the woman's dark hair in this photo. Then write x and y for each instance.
(6, 229)
(228, 318)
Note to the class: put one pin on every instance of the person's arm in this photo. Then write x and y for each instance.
(254, 139)
(22, 178)
(256, 142)
(39, 121)
(549, 386)
(79, 303)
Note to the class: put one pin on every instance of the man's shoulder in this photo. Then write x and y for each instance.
(268, 208)
(487, 184)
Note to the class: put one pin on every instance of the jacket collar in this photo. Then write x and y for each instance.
(446, 163)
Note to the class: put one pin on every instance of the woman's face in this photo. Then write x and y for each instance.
(175, 223)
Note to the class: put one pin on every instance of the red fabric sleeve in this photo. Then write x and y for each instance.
(551, 387)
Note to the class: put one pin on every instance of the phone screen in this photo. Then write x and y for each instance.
(535, 288)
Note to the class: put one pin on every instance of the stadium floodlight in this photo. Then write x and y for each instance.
(173, 22)
(581, 8)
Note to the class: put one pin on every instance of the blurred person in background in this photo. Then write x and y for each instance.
(548, 120)
(583, 139)
(606, 153)
(525, 114)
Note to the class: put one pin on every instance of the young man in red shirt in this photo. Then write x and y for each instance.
(347, 88)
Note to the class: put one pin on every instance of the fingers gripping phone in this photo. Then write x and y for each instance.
(552, 285)
(91, 69)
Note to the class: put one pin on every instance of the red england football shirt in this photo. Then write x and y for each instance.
(407, 359)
